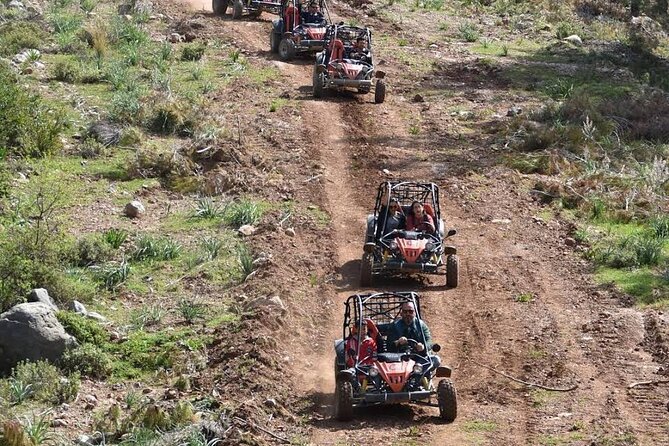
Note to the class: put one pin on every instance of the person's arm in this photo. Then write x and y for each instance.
(428, 224)
(427, 335)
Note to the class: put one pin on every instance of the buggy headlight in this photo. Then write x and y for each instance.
(373, 371)
(429, 246)
(393, 245)
(418, 369)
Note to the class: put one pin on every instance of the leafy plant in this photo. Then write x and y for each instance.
(126, 106)
(115, 237)
(84, 330)
(660, 226)
(88, 5)
(242, 212)
(37, 428)
(114, 274)
(468, 32)
(648, 250)
(193, 52)
(190, 310)
(19, 391)
(146, 316)
(156, 248)
(88, 360)
(18, 35)
(206, 207)
(211, 246)
(245, 259)
(47, 383)
(92, 250)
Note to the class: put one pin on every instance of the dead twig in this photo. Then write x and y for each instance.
(538, 386)
(648, 383)
(262, 429)
(315, 177)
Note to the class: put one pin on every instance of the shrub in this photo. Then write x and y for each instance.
(127, 32)
(113, 274)
(64, 22)
(206, 207)
(27, 126)
(92, 250)
(564, 29)
(18, 35)
(193, 52)
(84, 330)
(468, 32)
(88, 360)
(47, 383)
(126, 107)
(154, 161)
(115, 237)
(88, 5)
(156, 248)
(245, 259)
(190, 310)
(172, 116)
(660, 226)
(242, 212)
(648, 250)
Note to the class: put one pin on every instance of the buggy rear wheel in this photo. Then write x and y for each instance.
(256, 13)
(286, 49)
(274, 39)
(318, 83)
(343, 401)
(237, 9)
(219, 6)
(452, 270)
(366, 269)
(448, 400)
(380, 92)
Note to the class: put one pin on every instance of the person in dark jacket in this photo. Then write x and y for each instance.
(313, 14)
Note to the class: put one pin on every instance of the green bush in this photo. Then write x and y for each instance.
(126, 107)
(46, 382)
(242, 212)
(84, 330)
(193, 52)
(171, 116)
(93, 249)
(19, 35)
(156, 248)
(66, 71)
(88, 360)
(28, 128)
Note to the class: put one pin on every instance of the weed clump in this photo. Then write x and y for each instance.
(193, 52)
(88, 360)
(19, 35)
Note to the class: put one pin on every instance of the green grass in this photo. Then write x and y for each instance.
(479, 426)
(645, 284)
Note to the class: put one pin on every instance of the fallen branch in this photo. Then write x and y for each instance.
(539, 386)
(648, 383)
(315, 177)
(260, 428)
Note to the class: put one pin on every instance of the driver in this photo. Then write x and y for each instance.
(313, 14)
(419, 220)
(359, 49)
(395, 219)
(408, 327)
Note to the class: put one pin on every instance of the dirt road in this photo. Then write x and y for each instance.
(526, 304)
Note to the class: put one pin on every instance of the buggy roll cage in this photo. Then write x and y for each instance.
(333, 33)
(382, 308)
(406, 192)
(291, 13)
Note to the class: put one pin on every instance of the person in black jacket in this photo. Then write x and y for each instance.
(313, 14)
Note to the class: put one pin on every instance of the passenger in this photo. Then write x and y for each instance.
(313, 14)
(419, 220)
(367, 349)
(395, 218)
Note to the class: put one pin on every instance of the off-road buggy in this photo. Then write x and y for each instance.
(290, 35)
(253, 7)
(385, 377)
(341, 66)
(402, 251)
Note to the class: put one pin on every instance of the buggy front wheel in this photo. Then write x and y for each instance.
(452, 270)
(448, 400)
(366, 269)
(318, 84)
(286, 49)
(237, 9)
(380, 92)
(343, 401)
(274, 39)
(219, 6)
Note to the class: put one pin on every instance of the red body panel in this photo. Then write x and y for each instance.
(411, 249)
(315, 33)
(396, 374)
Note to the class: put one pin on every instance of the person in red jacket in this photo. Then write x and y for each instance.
(364, 354)
(419, 220)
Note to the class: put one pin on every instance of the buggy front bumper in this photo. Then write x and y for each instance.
(309, 45)
(353, 83)
(402, 266)
(389, 398)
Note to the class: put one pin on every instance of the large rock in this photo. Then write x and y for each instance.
(31, 331)
(134, 209)
(42, 295)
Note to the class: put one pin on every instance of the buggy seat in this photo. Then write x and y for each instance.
(429, 210)
(336, 50)
(292, 18)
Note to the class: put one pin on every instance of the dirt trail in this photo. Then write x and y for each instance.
(569, 332)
